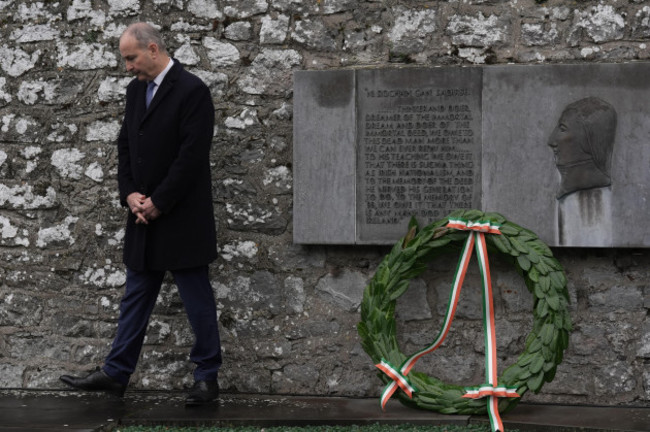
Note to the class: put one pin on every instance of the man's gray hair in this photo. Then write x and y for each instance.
(145, 34)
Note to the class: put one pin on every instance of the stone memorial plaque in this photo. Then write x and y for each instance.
(560, 149)
(418, 147)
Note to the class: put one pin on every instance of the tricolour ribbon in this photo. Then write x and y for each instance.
(490, 390)
(480, 226)
(397, 377)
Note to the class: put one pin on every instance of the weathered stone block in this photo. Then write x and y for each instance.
(11, 376)
(274, 30)
(294, 294)
(345, 289)
(294, 379)
(413, 304)
(479, 31)
(617, 298)
(615, 379)
(313, 34)
(19, 309)
(294, 257)
(412, 30)
(273, 350)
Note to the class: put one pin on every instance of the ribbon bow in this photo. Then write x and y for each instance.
(480, 226)
(477, 231)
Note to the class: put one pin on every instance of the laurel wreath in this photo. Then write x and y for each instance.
(544, 278)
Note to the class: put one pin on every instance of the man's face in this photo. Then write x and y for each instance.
(140, 61)
(568, 140)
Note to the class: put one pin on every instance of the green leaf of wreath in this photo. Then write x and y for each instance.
(543, 276)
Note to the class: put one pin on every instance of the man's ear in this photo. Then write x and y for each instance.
(153, 49)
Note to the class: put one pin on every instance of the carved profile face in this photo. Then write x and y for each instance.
(568, 140)
(582, 144)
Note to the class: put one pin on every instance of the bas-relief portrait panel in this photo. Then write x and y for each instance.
(566, 151)
(560, 149)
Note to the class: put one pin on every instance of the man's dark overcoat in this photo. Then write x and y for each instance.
(164, 154)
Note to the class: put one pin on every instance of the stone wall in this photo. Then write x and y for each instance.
(288, 313)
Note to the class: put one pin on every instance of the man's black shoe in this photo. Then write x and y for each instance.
(96, 381)
(202, 392)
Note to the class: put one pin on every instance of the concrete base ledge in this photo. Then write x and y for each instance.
(75, 411)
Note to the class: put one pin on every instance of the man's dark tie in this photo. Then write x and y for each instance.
(150, 87)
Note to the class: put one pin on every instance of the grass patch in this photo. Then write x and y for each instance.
(365, 428)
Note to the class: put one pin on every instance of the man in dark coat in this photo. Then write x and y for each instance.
(164, 179)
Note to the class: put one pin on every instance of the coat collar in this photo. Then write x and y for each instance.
(165, 87)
